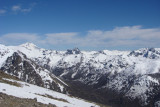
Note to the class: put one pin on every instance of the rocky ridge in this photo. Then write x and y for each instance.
(132, 75)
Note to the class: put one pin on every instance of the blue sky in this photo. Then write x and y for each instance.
(87, 24)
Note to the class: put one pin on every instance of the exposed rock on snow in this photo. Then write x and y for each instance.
(135, 74)
(40, 94)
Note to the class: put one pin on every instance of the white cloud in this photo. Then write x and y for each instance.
(130, 37)
(2, 11)
(16, 8)
(19, 8)
(61, 38)
(26, 10)
(18, 38)
(125, 36)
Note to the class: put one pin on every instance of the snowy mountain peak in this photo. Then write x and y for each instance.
(28, 45)
(1, 45)
(136, 73)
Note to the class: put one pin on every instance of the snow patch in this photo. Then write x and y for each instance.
(32, 91)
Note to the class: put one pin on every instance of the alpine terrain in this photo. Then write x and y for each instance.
(115, 78)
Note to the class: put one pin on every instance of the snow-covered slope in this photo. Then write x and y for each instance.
(43, 95)
(19, 65)
(136, 74)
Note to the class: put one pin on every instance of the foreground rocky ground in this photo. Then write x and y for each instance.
(11, 101)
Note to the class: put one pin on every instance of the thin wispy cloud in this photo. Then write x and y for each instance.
(14, 38)
(16, 8)
(2, 11)
(19, 8)
(26, 10)
(121, 37)
(61, 38)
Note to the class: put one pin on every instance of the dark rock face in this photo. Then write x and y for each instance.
(74, 51)
(77, 51)
(148, 53)
(26, 70)
(69, 51)
(23, 69)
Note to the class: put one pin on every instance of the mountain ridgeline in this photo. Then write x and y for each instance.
(116, 78)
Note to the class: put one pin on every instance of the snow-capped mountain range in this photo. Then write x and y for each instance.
(134, 75)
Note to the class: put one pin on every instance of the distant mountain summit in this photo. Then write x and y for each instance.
(124, 78)
(28, 45)
(152, 53)
(73, 51)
